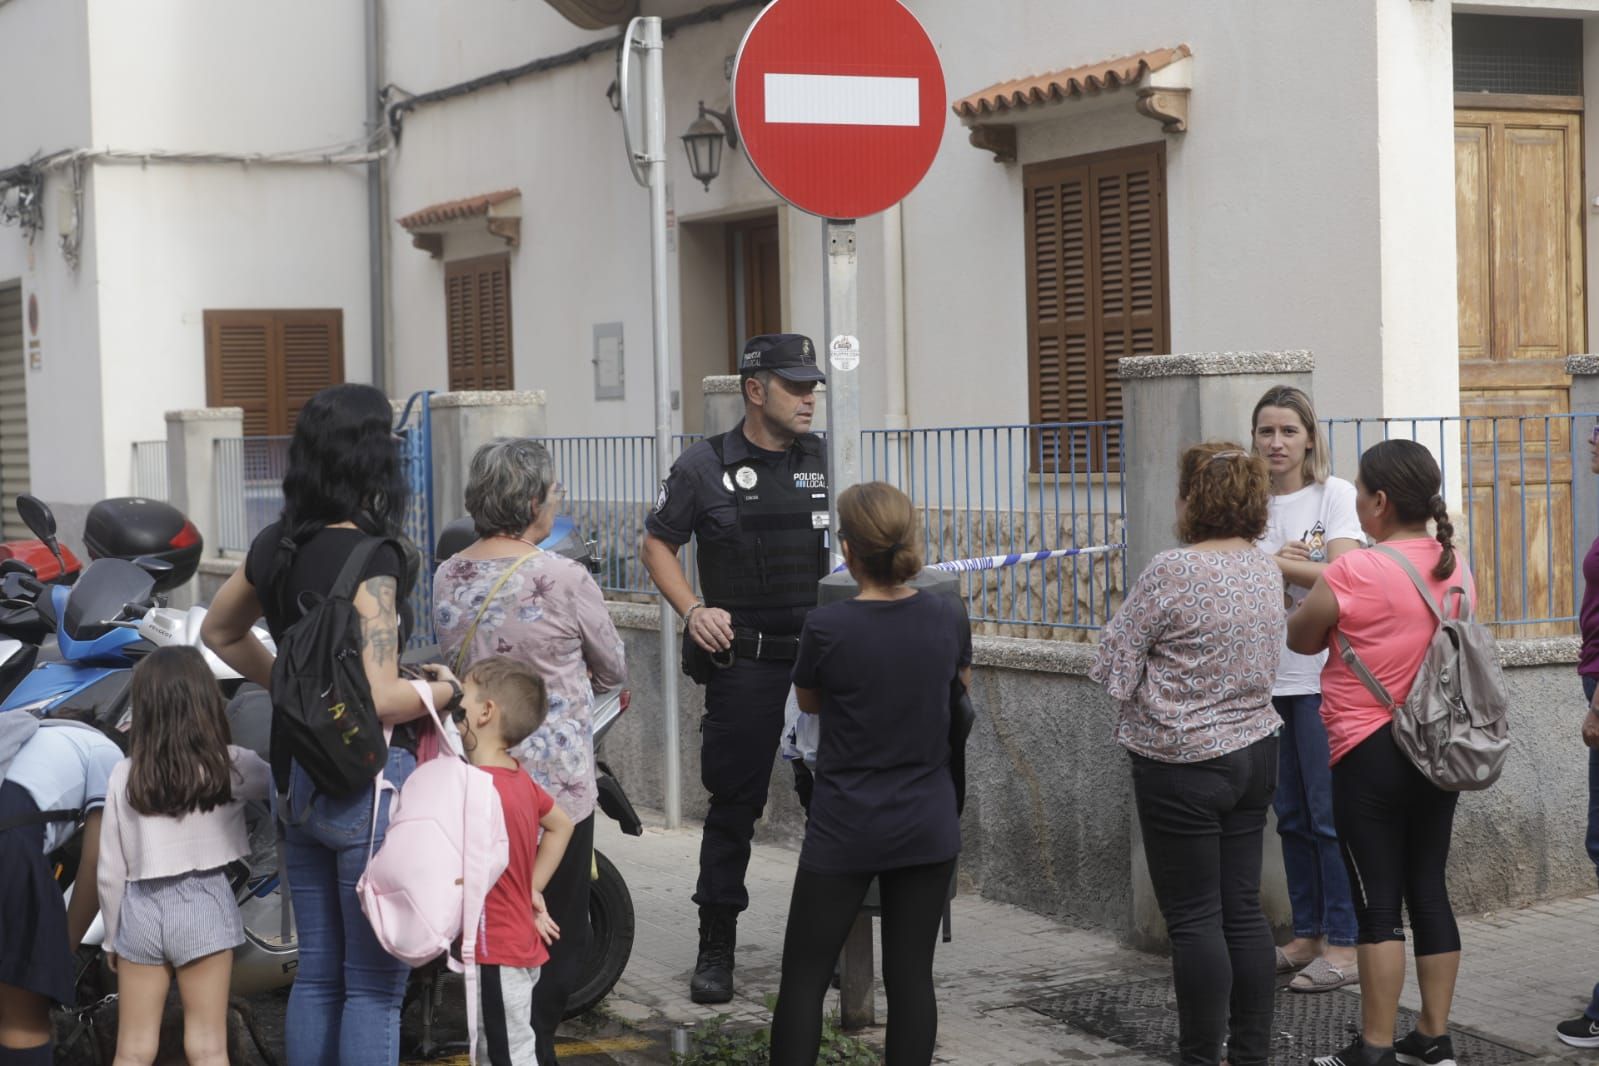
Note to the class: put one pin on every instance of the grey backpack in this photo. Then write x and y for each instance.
(1453, 724)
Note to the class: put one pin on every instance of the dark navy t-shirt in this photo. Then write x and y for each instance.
(884, 797)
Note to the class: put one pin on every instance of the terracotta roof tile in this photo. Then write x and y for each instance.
(451, 210)
(1086, 80)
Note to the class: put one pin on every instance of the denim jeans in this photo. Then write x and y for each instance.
(1203, 824)
(1318, 886)
(1588, 686)
(344, 1009)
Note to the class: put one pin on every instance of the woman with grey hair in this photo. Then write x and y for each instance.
(505, 596)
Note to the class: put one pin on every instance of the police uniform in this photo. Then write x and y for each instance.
(761, 520)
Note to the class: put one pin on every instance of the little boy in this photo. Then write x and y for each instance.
(502, 704)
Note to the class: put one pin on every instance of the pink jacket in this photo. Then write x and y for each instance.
(138, 847)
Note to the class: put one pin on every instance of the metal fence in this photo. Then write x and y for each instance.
(978, 492)
(150, 469)
(249, 487)
(1510, 480)
(611, 483)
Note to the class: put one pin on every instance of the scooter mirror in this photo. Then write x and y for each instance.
(37, 517)
(16, 566)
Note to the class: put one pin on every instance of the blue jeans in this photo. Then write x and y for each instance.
(1318, 885)
(1588, 686)
(345, 1006)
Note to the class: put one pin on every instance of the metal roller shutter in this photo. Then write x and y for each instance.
(14, 476)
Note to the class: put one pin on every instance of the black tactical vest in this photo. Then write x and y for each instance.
(780, 551)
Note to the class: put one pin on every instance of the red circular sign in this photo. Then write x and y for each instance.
(840, 103)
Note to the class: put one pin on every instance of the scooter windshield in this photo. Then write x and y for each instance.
(99, 596)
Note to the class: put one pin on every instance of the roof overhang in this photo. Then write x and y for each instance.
(499, 213)
(1157, 83)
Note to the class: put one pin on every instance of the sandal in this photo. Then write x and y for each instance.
(1287, 965)
(1323, 976)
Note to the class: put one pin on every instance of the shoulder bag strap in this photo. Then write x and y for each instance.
(350, 575)
(471, 631)
(1415, 578)
(1347, 653)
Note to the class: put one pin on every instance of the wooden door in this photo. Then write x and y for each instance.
(1519, 235)
(755, 282)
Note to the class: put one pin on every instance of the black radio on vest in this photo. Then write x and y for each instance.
(780, 550)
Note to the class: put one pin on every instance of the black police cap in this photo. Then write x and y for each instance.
(788, 355)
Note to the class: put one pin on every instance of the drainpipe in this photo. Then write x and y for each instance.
(897, 415)
(376, 203)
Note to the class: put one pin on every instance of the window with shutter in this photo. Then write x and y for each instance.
(1096, 291)
(270, 362)
(477, 309)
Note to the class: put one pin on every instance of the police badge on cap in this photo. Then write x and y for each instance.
(788, 355)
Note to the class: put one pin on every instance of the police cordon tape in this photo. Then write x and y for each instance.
(996, 562)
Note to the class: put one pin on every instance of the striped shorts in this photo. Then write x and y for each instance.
(176, 920)
(505, 1015)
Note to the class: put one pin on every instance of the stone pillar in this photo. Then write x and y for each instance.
(1584, 371)
(1169, 403)
(724, 404)
(192, 437)
(464, 422)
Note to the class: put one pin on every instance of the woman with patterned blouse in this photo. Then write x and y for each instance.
(546, 611)
(1191, 658)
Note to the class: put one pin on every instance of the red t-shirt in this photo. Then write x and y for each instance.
(505, 935)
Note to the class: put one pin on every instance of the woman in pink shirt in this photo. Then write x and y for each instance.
(1393, 824)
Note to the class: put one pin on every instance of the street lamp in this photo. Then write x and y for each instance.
(703, 143)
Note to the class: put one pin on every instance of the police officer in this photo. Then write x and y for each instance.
(756, 497)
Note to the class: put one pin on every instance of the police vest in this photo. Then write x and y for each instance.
(779, 553)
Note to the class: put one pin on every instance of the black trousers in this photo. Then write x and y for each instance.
(738, 740)
(820, 915)
(1393, 828)
(1203, 825)
(567, 896)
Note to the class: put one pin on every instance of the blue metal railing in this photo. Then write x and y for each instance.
(979, 491)
(414, 428)
(150, 469)
(1511, 479)
(611, 483)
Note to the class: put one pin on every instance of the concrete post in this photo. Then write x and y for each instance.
(464, 422)
(192, 437)
(1584, 371)
(724, 404)
(1171, 402)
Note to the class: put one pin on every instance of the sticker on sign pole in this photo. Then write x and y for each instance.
(844, 353)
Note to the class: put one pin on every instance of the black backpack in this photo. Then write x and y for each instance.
(322, 712)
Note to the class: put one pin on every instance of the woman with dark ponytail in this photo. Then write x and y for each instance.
(878, 669)
(1393, 824)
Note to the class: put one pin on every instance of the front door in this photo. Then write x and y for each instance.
(1519, 233)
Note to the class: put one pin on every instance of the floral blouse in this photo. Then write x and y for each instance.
(1192, 655)
(549, 614)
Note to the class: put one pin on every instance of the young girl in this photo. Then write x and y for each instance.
(174, 818)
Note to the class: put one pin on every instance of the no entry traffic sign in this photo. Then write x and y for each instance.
(840, 103)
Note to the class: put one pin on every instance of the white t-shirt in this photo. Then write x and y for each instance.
(1316, 514)
(65, 767)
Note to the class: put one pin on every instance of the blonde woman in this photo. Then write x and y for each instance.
(1311, 521)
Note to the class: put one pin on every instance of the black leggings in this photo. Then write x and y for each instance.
(820, 914)
(567, 896)
(1393, 828)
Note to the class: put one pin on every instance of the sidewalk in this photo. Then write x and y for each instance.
(1522, 971)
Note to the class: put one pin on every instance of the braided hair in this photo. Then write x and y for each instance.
(1408, 474)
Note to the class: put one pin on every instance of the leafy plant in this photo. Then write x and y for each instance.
(714, 1044)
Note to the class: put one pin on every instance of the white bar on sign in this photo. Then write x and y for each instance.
(842, 100)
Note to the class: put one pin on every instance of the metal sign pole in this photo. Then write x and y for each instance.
(653, 177)
(843, 358)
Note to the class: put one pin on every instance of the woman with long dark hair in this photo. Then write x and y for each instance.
(344, 486)
(1190, 657)
(174, 820)
(1394, 825)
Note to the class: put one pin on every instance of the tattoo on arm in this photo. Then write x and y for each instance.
(380, 630)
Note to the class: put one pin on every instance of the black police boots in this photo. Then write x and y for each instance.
(713, 971)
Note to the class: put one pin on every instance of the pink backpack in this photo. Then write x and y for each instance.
(446, 846)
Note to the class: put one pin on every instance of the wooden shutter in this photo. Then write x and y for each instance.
(1096, 291)
(477, 304)
(271, 362)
